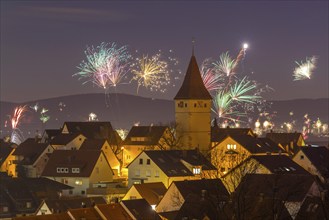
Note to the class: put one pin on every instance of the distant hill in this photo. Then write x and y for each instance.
(124, 110)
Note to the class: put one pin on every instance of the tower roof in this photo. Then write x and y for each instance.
(193, 86)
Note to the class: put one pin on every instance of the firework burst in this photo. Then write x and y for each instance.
(210, 79)
(105, 65)
(151, 72)
(304, 70)
(16, 135)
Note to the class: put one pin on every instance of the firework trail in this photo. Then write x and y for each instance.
(106, 65)
(151, 72)
(240, 91)
(225, 66)
(210, 79)
(240, 56)
(306, 127)
(224, 107)
(304, 70)
(17, 116)
(16, 136)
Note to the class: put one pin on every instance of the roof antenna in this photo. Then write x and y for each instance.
(193, 43)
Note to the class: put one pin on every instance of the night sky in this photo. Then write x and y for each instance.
(43, 42)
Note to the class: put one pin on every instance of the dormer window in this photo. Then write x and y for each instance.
(196, 171)
(75, 170)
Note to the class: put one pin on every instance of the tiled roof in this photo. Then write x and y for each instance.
(113, 211)
(63, 204)
(193, 86)
(218, 134)
(140, 209)
(152, 135)
(64, 139)
(284, 138)
(287, 187)
(254, 145)
(30, 150)
(94, 130)
(61, 216)
(280, 164)
(170, 161)
(211, 186)
(319, 157)
(51, 133)
(92, 144)
(151, 192)
(85, 160)
(84, 213)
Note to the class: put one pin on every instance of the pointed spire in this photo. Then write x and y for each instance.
(193, 86)
(193, 43)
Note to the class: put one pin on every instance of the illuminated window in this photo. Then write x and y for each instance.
(78, 182)
(234, 146)
(228, 146)
(196, 171)
(76, 170)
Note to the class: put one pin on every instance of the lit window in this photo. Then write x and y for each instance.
(76, 170)
(234, 146)
(228, 146)
(78, 182)
(196, 171)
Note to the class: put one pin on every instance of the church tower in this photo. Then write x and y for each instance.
(193, 110)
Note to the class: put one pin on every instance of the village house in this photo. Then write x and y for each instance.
(315, 160)
(7, 158)
(289, 142)
(22, 196)
(139, 209)
(62, 204)
(67, 141)
(261, 164)
(79, 169)
(230, 150)
(151, 192)
(31, 158)
(181, 191)
(283, 193)
(142, 138)
(167, 166)
(104, 146)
